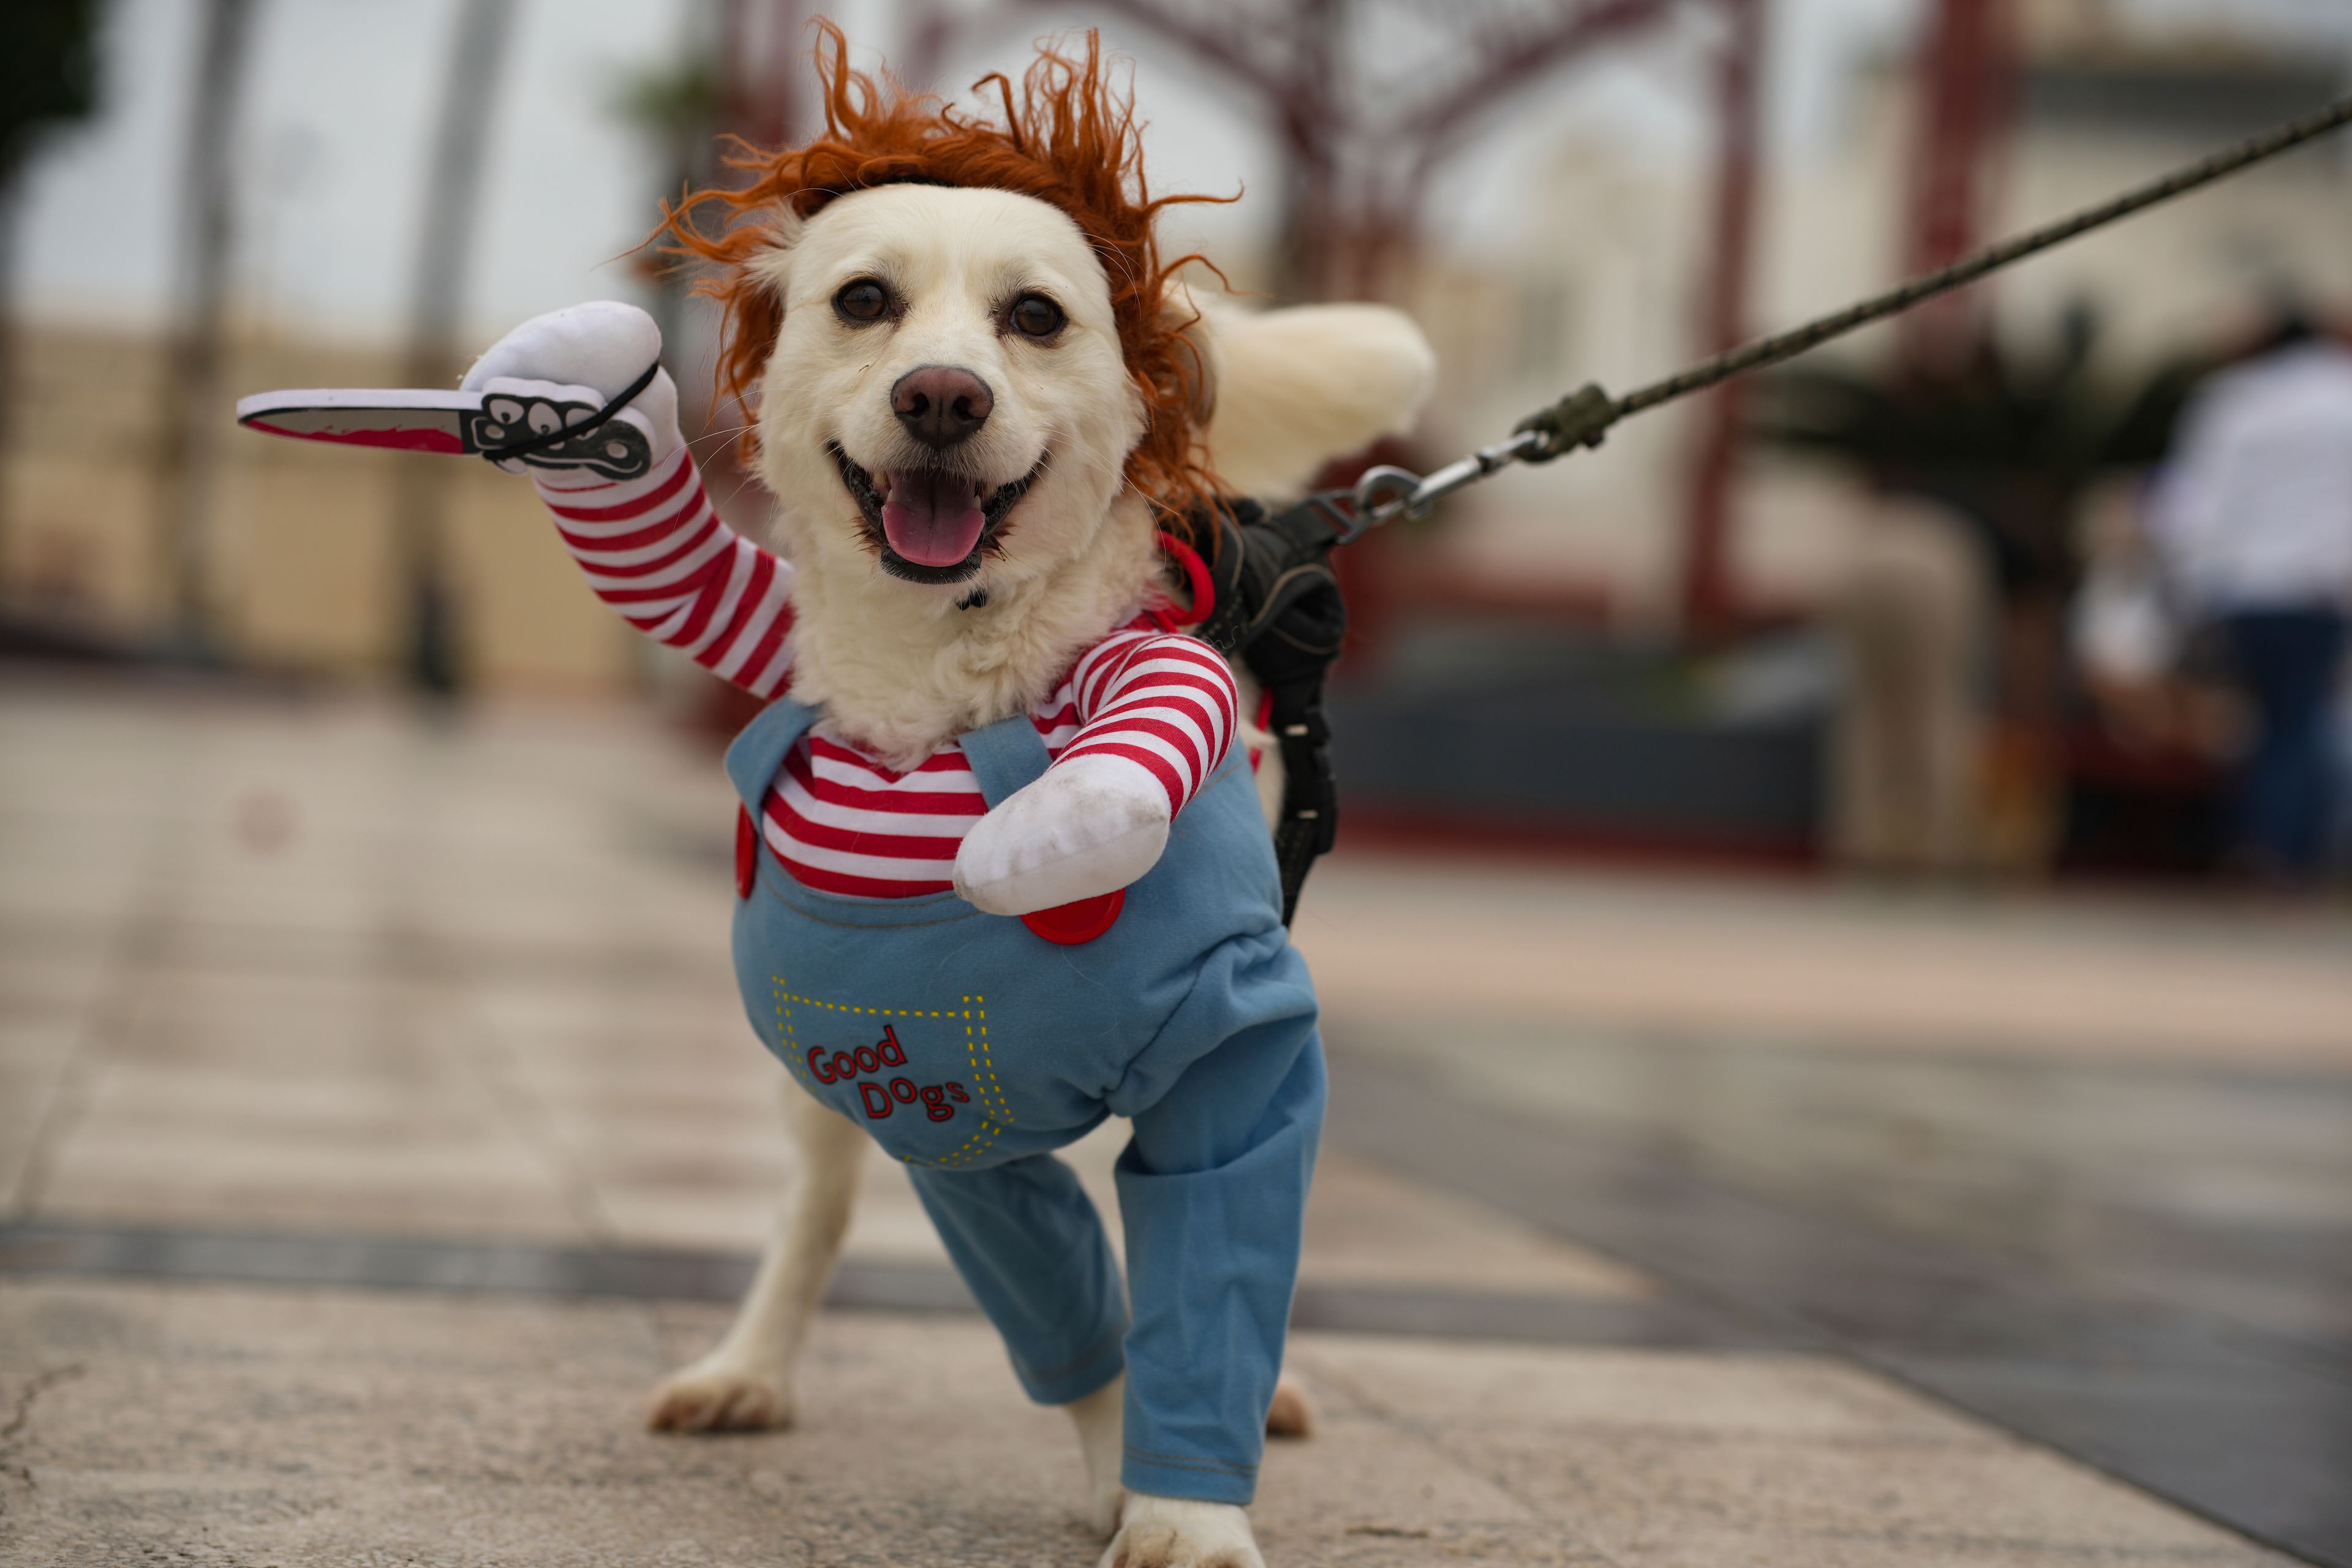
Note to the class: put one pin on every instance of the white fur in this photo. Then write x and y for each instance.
(901, 669)
(1100, 1418)
(1178, 1533)
(1296, 388)
(746, 1381)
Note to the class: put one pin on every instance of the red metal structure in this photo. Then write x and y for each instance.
(1966, 89)
(1364, 150)
(761, 67)
(1707, 593)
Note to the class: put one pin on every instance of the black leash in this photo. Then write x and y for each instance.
(1584, 416)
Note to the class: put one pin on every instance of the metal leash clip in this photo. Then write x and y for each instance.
(1386, 493)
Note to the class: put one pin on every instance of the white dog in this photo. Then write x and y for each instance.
(945, 421)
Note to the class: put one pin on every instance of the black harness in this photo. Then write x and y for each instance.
(1278, 610)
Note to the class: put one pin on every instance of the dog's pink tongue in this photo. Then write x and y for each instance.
(930, 518)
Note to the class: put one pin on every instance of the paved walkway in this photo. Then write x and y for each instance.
(376, 1122)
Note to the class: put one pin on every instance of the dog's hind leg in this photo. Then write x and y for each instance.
(746, 1381)
(1292, 1414)
(1097, 1417)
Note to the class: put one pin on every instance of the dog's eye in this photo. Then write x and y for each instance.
(861, 301)
(1036, 316)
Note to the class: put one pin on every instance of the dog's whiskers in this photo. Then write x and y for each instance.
(737, 489)
(718, 434)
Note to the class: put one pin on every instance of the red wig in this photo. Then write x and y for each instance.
(1069, 140)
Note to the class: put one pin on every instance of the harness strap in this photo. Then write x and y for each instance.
(1279, 611)
(1005, 756)
(757, 755)
(1310, 795)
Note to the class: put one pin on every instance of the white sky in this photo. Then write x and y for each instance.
(336, 125)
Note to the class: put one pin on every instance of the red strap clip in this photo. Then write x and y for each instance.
(1067, 925)
(747, 853)
(1200, 587)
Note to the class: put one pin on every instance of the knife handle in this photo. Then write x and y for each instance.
(616, 449)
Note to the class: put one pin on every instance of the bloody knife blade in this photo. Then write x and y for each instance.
(429, 419)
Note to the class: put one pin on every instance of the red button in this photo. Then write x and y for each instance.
(747, 853)
(1070, 924)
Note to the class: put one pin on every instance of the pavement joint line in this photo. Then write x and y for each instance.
(396, 1262)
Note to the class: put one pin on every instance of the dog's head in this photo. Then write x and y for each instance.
(963, 347)
(949, 374)
(957, 333)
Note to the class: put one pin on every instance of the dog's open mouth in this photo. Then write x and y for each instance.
(931, 524)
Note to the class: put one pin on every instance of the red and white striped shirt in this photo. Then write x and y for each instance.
(654, 550)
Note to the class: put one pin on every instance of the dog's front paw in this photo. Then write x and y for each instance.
(720, 1394)
(1178, 1533)
(1087, 827)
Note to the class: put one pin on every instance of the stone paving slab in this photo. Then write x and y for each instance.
(1921, 971)
(244, 1428)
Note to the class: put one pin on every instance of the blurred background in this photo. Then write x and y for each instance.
(1892, 608)
(1836, 968)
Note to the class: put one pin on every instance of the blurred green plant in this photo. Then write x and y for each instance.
(48, 78)
(677, 107)
(2010, 440)
(48, 73)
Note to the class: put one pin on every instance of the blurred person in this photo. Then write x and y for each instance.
(2145, 668)
(1911, 617)
(2122, 630)
(2155, 722)
(2339, 842)
(2253, 520)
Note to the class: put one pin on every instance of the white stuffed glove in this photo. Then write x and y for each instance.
(562, 367)
(1085, 828)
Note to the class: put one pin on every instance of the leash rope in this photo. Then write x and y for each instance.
(1584, 416)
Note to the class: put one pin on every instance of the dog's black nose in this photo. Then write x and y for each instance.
(940, 405)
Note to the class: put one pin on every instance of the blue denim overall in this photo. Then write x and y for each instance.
(971, 1048)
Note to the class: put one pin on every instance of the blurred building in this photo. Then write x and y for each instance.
(1601, 285)
(332, 126)
(1598, 284)
(301, 568)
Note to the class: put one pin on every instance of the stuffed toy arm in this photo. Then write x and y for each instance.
(653, 548)
(1158, 714)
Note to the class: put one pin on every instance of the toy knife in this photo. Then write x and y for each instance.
(543, 432)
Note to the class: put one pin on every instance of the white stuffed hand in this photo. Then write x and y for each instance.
(564, 365)
(1085, 827)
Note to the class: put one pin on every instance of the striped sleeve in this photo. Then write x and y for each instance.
(654, 550)
(1157, 699)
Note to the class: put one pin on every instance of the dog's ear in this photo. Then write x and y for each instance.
(1288, 391)
(768, 266)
